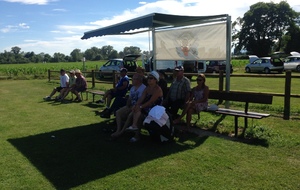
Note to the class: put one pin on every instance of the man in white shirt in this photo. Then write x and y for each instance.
(64, 83)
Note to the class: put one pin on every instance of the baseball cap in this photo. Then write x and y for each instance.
(123, 70)
(179, 68)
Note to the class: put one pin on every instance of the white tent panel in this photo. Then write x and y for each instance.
(207, 42)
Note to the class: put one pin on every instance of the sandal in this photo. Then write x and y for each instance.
(133, 140)
(131, 128)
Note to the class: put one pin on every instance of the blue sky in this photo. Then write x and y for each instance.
(51, 26)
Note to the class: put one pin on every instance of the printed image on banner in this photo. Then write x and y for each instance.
(206, 42)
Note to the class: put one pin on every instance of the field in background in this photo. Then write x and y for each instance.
(39, 70)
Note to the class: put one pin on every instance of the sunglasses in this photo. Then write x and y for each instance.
(151, 78)
(199, 80)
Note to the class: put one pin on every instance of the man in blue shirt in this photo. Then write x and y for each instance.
(118, 92)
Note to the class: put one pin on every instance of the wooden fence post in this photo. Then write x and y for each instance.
(287, 95)
(93, 79)
(114, 78)
(221, 81)
(48, 75)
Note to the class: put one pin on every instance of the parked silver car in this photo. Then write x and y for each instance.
(292, 62)
(128, 62)
(264, 64)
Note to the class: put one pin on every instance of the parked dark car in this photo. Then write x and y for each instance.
(128, 62)
(217, 66)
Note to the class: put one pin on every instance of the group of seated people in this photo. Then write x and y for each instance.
(149, 99)
(74, 83)
(132, 112)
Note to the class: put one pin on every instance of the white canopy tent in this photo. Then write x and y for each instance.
(176, 37)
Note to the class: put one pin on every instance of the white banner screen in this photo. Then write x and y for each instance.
(198, 43)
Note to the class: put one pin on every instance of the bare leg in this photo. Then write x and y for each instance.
(121, 115)
(53, 92)
(136, 117)
(185, 110)
(65, 93)
(108, 100)
(189, 116)
(77, 94)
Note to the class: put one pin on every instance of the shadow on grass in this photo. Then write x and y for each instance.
(75, 156)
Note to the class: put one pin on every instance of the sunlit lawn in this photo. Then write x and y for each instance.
(49, 145)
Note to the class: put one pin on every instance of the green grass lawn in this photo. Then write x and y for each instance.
(49, 145)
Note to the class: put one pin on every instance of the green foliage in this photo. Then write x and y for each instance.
(262, 25)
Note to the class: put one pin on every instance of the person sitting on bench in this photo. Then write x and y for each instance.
(80, 85)
(119, 91)
(197, 102)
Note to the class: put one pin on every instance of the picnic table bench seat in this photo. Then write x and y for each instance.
(95, 92)
(246, 97)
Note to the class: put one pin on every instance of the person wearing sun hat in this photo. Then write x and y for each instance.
(72, 81)
(151, 97)
(80, 85)
(179, 92)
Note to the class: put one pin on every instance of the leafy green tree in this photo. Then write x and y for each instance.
(58, 57)
(15, 50)
(291, 39)
(47, 58)
(113, 54)
(93, 54)
(132, 50)
(76, 55)
(263, 25)
(106, 51)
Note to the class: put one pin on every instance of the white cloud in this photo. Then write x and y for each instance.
(31, 2)
(60, 10)
(23, 25)
(14, 28)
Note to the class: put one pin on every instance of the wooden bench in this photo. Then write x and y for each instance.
(94, 92)
(246, 97)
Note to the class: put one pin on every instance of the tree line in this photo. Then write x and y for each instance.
(91, 54)
(264, 29)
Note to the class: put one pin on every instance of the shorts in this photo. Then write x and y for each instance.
(114, 94)
(80, 89)
(59, 88)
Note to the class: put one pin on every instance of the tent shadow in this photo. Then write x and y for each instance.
(75, 156)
